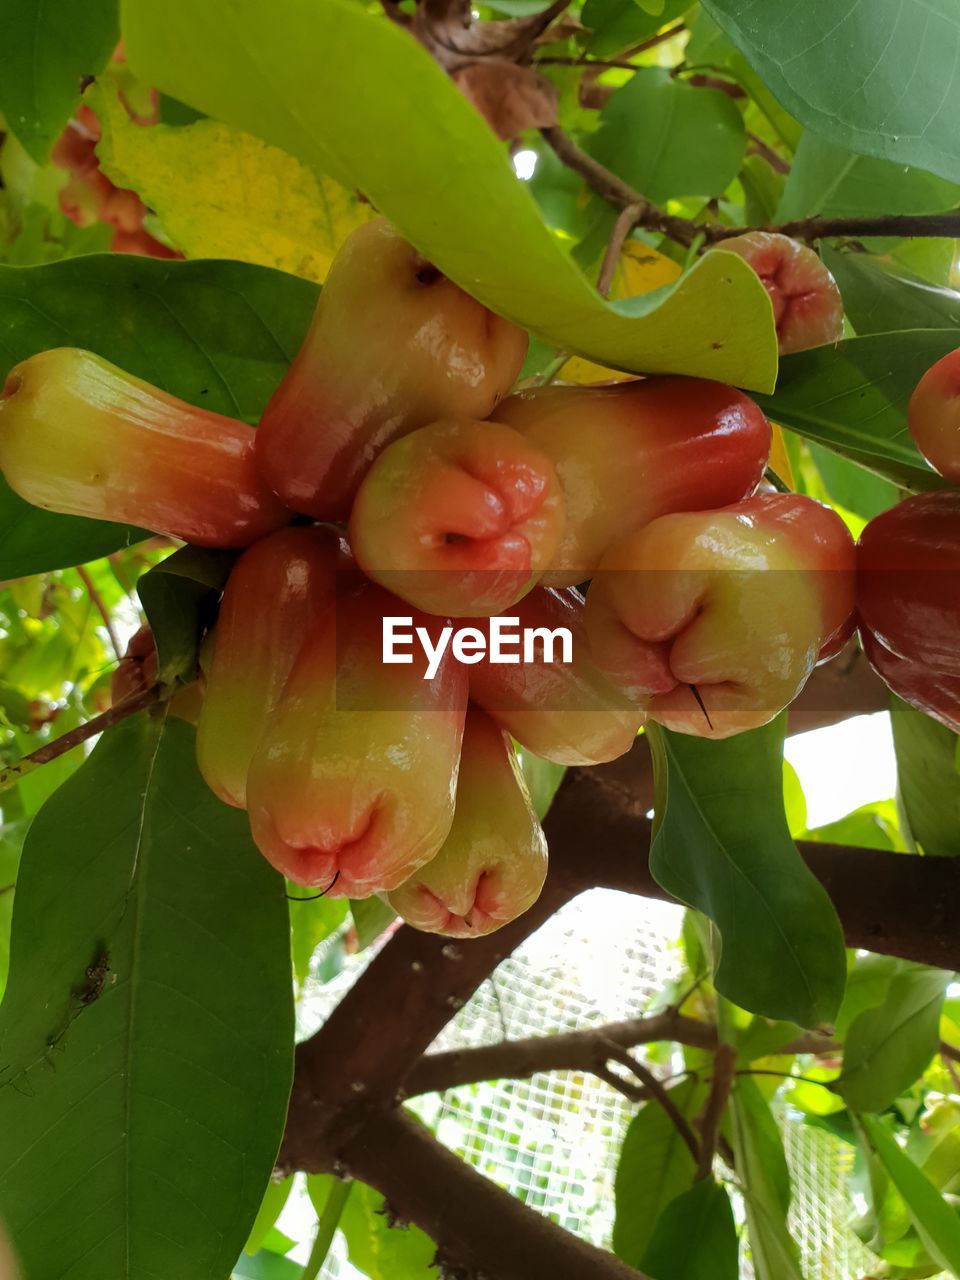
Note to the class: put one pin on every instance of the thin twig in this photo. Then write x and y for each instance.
(948, 1051)
(658, 1093)
(941, 225)
(773, 158)
(724, 1066)
(101, 608)
(626, 221)
(60, 746)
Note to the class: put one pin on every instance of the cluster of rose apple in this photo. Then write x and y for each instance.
(425, 496)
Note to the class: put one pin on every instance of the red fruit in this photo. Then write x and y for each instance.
(628, 453)
(908, 600)
(137, 673)
(712, 622)
(458, 517)
(352, 786)
(933, 416)
(394, 345)
(280, 590)
(807, 307)
(79, 436)
(493, 863)
(564, 711)
(141, 243)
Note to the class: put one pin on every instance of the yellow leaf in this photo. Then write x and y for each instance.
(779, 458)
(640, 270)
(222, 193)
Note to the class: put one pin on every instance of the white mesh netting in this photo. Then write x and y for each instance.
(553, 1140)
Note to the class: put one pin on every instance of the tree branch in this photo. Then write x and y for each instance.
(478, 1226)
(660, 1094)
(96, 600)
(60, 746)
(724, 1067)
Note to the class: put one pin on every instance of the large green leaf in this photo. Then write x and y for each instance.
(380, 1249)
(889, 1046)
(882, 79)
(722, 845)
(765, 1181)
(614, 24)
(929, 780)
(423, 155)
(695, 1237)
(936, 1221)
(655, 1167)
(832, 182)
(147, 1029)
(881, 296)
(46, 51)
(178, 596)
(219, 334)
(670, 139)
(853, 399)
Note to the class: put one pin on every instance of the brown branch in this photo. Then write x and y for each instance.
(626, 221)
(660, 1095)
(480, 1227)
(724, 1067)
(948, 1051)
(946, 225)
(97, 600)
(60, 746)
(569, 1051)
(758, 147)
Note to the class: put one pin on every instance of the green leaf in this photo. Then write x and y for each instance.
(872, 826)
(695, 1237)
(882, 296)
(936, 1222)
(543, 779)
(670, 139)
(379, 1250)
(218, 334)
(147, 1028)
(256, 67)
(832, 182)
(312, 921)
(929, 781)
(889, 1046)
(371, 916)
(179, 596)
(765, 1181)
(614, 24)
(46, 51)
(655, 1167)
(881, 79)
(850, 486)
(264, 1265)
(722, 845)
(853, 399)
(271, 1206)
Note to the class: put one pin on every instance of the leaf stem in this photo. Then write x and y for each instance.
(101, 608)
(327, 1228)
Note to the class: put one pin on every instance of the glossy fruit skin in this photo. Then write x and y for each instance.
(908, 600)
(929, 691)
(278, 591)
(933, 416)
(393, 345)
(628, 453)
(807, 306)
(352, 785)
(460, 517)
(79, 436)
(493, 863)
(740, 603)
(565, 712)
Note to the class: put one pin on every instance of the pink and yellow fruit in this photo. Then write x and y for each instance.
(81, 437)
(712, 622)
(351, 788)
(562, 710)
(493, 863)
(278, 592)
(933, 416)
(807, 306)
(394, 345)
(458, 518)
(628, 453)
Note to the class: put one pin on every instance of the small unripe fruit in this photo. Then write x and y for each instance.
(628, 453)
(712, 622)
(807, 306)
(564, 711)
(933, 416)
(277, 593)
(394, 345)
(458, 518)
(79, 436)
(352, 785)
(493, 863)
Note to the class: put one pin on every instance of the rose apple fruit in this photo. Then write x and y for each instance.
(933, 416)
